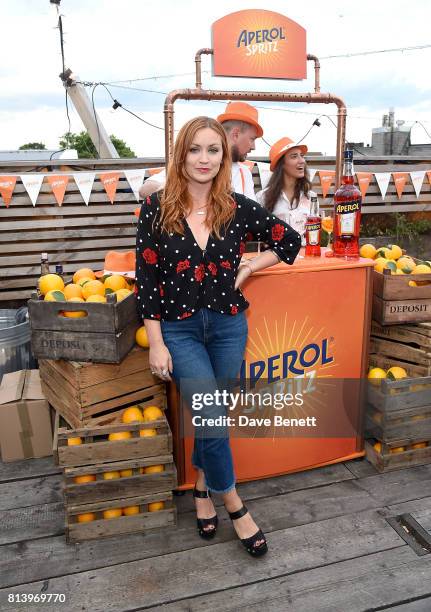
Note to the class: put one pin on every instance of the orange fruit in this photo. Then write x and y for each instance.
(378, 447)
(96, 298)
(397, 449)
(132, 414)
(54, 296)
(141, 337)
(154, 469)
(368, 251)
(93, 287)
(84, 478)
(83, 273)
(74, 314)
(397, 251)
(111, 475)
(375, 375)
(120, 435)
(73, 441)
(115, 282)
(50, 282)
(420, 445)
(126, 473)
(129, 510)
(152, 413)
(396, 373)
(86, 517)
(146, 433)
(380, 264)
(72, 291)
(83, 280)
(122, 293)
(156, 506)
(112, 513)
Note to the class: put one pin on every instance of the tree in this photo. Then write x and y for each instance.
(85, 147)
(32, 145)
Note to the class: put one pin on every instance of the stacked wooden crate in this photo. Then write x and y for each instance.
(130, 478)
(404, 298)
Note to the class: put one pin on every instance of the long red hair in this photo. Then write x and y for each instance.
(175, 202)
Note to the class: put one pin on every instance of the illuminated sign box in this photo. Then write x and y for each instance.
(259, 44)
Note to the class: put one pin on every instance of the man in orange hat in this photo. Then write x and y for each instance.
(240, 121)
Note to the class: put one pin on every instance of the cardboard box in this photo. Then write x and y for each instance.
(25, 422)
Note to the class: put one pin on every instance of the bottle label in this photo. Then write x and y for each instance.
(347, 224)
(346, 208)
(313, 233)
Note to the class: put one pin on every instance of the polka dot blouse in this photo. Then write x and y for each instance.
(175, 277)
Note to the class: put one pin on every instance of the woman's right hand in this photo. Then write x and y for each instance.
(160, 361)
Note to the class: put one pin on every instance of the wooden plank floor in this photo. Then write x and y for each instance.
(331, 548)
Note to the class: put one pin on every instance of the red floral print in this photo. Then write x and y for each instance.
(241, 248)
(212, 268)
(226, 264)
(249, 236)
(148, 200)
(161, 291)
(157, 316)
(200, 273)
(135, 290)
(183, 265)
(150, 256)
(185, 315)
(277, 232)
(234, 310)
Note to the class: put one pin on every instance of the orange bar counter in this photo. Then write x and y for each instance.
(326, 301)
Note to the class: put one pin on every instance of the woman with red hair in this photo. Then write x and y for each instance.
(190, 241)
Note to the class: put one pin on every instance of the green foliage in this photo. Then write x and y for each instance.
(86, 149)
(32, 146)
(394, 224)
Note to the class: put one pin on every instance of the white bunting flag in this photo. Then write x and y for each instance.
(32, 183)
(312, 173)
(383, 179)
(84, 181)
(417, 178)
(135, 179)
(264, 173)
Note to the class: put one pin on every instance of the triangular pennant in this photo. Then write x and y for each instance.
(417, 178)
(152, 171)
(326, 180)
(312, 173)
(32, 184)
(400, 179)
(110, 182)
(364, 179)
(135, 179)
(58, 184)
(264, 173)
(429, 176)
(383, 179)
(7, 185)
(84, 181)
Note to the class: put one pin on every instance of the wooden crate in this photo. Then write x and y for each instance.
(139, 483)
(385, 461)
(103, 528)
(404, 343)
(404, 427)
(105, 335)
(395, 301)
(97, 448)
(96, 394)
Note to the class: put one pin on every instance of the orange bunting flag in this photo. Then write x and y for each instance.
(364, 180)
(58, 185)
(400, 179)
(326, 180)
(153, 171)
(110, 182)
(7, 185)
(429, 176)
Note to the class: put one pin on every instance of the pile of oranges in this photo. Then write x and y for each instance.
(392, 258)
(85, 287)
(112, 513)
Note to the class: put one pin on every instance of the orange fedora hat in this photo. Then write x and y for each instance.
(117, 262)
(241, 111)
(280, 148)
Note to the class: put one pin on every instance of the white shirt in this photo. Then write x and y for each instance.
(295, 217)
(242, 180)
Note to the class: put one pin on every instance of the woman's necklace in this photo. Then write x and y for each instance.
(197, 211)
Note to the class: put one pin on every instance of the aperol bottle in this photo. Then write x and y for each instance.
(313, 226)
(347, 213)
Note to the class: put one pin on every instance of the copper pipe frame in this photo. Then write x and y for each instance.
(310, 98)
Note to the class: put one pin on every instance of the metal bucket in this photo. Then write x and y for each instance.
(15, 349)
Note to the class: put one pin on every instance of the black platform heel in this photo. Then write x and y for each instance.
(249, 543)
(206, 534)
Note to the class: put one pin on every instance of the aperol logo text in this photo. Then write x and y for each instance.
(342, 209)
(261, 41)
(293, 362)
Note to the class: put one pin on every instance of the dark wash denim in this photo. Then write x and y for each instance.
(206, 348)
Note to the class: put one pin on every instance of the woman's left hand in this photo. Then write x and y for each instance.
(244, 272)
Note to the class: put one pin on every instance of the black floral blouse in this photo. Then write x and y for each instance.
(175, 277)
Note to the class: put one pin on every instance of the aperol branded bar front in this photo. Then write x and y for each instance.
(318, 311)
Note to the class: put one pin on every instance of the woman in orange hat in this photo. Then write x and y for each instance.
(190, 241)
(288, 190)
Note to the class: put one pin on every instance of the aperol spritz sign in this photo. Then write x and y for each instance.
(259, 44)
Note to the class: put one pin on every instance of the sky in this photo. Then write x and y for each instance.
(124, 40)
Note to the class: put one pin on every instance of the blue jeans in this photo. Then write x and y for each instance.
(208, 346)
